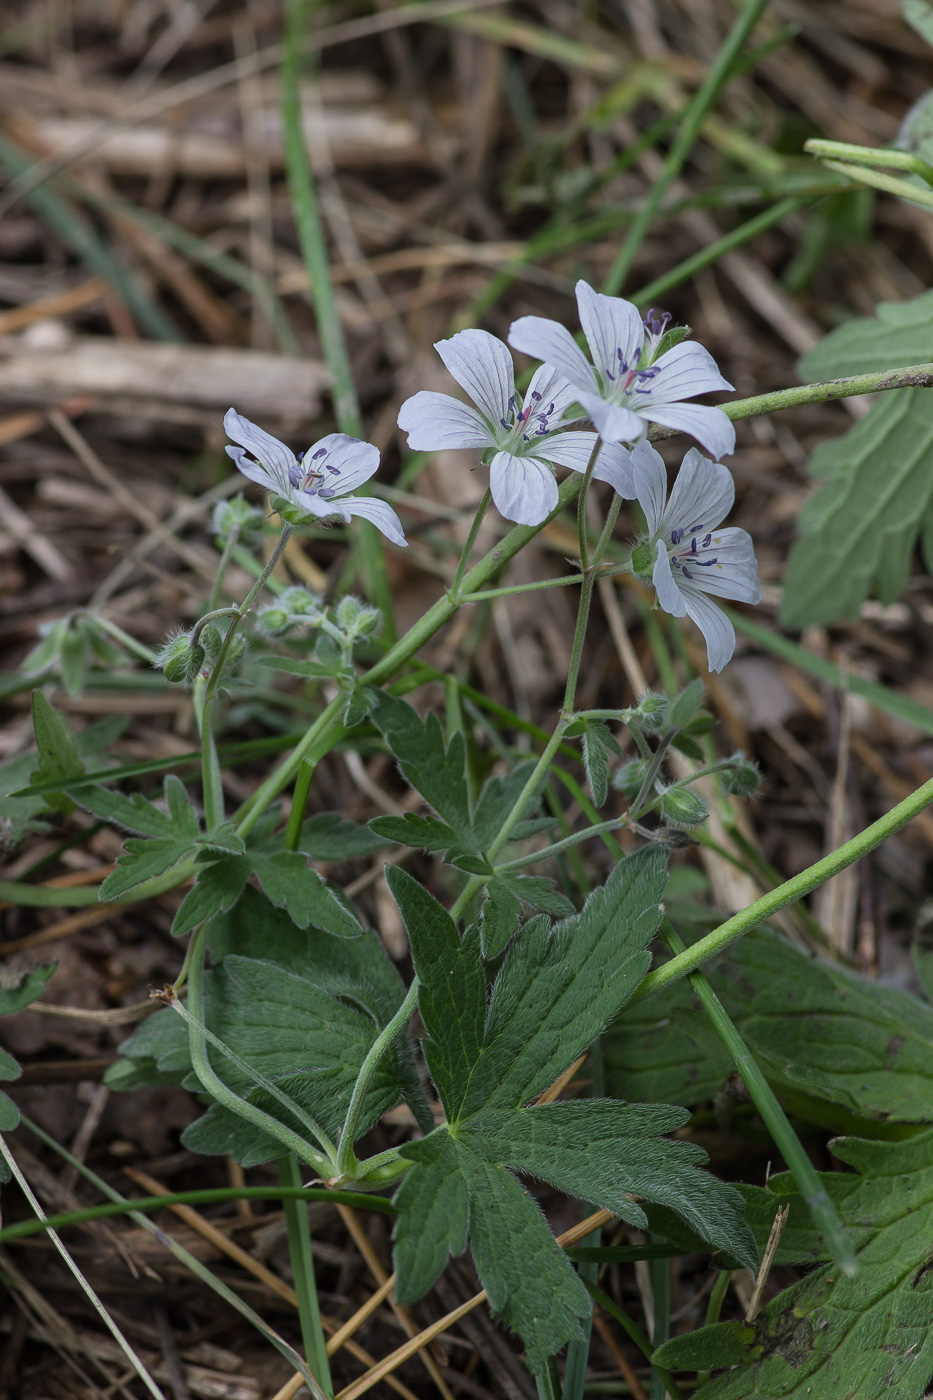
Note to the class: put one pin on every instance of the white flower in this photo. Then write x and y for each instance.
(620, 397)
(520, 432)
(685, 555)
(318, 481)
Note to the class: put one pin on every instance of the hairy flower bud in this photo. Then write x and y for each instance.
(629, 777)
(681, 807)
(178, 659)
(237, 517)
(742, 777)
(653, 711)
(274, 621)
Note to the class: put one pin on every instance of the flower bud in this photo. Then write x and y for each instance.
(347, 613)
(301, 602)
(653, 711)
(238, 517)
(742, 777)
(630, 776)
(274, 621)
(178, 659)
(681, 807)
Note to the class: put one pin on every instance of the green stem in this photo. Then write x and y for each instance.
(207, 1196)
(887, 183)
(803, 884)
(296, 813)
(870, 155)
(879, 381)
(487, 593)
(345, 1160)
(824, 1213)
(211, 779)
(687, 133)
(313, 243)
(197, 1041)
(464, 559)
(230, 544)
(661, 1288)
(633, 1330)
(713, 1309)
(232, 611)
(132, 645)
(302, 1262)
(598, 830)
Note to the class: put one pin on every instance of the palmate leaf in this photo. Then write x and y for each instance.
(304, 1007)
(832, 1043)
(435, 769)
(488, 1056)
(858, 532)
(871, 1336)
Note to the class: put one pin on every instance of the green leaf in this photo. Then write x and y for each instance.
(858, 532)
(500, 916)
(598, 745)
(421, 833)
(433, 1204)
(869, 1336)
(329, 836)
(137, 814)
(831, 1043)
(495, 803)
(354, 988)
(19, 991)
(435, 769)
(452, 996)
(289, 882)
(9, 1119)
(707, 1349)
(9, 1068)
(58, 752)
(215, 890)
(143, 860)
(489, 1056)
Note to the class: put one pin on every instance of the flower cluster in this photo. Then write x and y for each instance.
(639, 372)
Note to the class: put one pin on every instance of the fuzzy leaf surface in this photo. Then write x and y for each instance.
(58, 753)
(870, 1336)
(435, 769)
(831, 1042)
(858, 532)
(489, 1055)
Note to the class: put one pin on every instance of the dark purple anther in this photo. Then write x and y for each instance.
(676, 536)
(321, 452)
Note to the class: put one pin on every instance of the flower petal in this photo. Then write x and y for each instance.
(551, 342)
(703, 495)
(523, 489)
(268, 451)
(436, 422)
(346, 462)
(572, 450)
(611, 325)
(245, 464)
(552, 387)
(669, 594)
(613, 422)
(378, 513)
(681, 372)
(735, 572)
(482, 365)
(650, 476)
(715, 626)
(710, 426)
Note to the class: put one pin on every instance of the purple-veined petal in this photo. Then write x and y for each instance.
(703, 495)
(245, 464)
(317, 505)
(715, 626)
(650, 476)
(614, 463)
(553, 344)
(523, 489)
(682, 372)
(610, 325)
(553, 388)
(378, 513)
(735, 572)
(669, 594)
(436, 422)
(613, 422)
(482, 365)
(710, 426)
(268, 450)
(345, 462)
